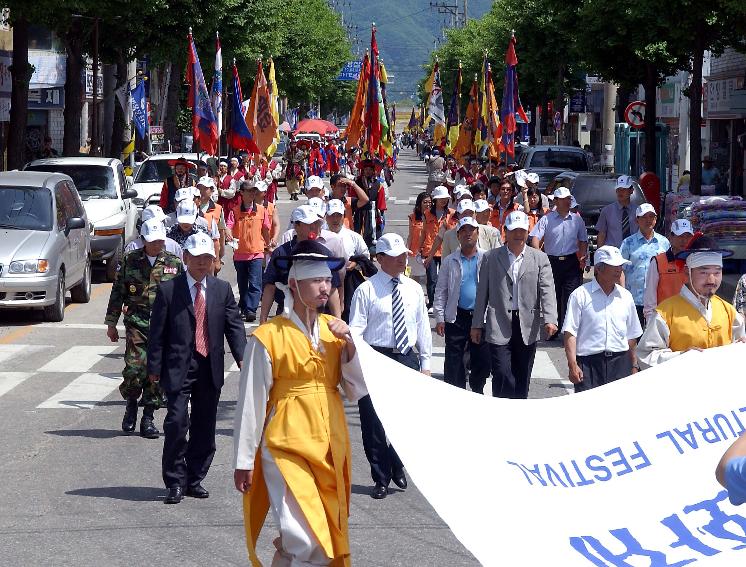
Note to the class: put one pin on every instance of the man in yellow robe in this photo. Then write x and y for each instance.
(695, 318)
(291, 444)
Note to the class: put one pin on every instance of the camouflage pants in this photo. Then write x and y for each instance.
(135, 374)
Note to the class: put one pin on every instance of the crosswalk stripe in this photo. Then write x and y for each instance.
(78, 358)
(10, 351)
(9, 380)
(83, 393)
(544, 367)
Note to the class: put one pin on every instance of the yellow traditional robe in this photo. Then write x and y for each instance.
(689, 328)
(306, 434)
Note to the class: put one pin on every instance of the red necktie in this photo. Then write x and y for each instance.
(201, 316)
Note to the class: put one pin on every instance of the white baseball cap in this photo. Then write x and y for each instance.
(561, 193)
(609, 255)
(681, 226)
(467, 221)
(186, 212)
(391, 244)
(335, 206)
(314, 181)
(624, 182)
(198, 244)
(206, 181)
(440, 192)
(516, 219)
(532, 177)
(183, 194)
(152, 212)
(459, 189)
(318, 205)
(153, 229)
(481, 205)
(305, 214)
(261, 186)
(465, 205)
(520, 176)
(644, 209)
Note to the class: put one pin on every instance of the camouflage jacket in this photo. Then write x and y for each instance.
(136, 285)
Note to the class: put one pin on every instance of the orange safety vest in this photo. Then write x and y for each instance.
(432, 227)
(671, 276)
(249, 229)
(213, 213)
(498, 221)
(415, 232)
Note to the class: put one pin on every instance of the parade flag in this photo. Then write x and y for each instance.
(454, 113)
(204, 123)
(259, 117)
(511, 100)
(412, 125)
(139, 109)
(239, 136)
(274, 101)
(493, 119)
(467, 132)
(217, 85)
(607, 477)
(356, 124)
(386, 141)
(375, 114)
(480, 135)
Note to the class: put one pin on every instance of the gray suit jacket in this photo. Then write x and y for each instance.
(537, 304)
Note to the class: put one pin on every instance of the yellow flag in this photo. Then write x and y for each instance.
(259, 118)
(273, 97)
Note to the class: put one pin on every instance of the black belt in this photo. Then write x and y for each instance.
(469, 312)
(390, 350)
(604, 354)
(562, 258)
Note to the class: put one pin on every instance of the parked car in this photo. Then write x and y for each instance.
(559, 157)
(45, 243)
(593, 191)
(107, 198)
(153, 172)
(546, 175)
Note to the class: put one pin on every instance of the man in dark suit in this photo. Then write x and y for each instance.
(185, 354)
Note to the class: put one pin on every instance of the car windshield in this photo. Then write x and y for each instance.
(574, 161)
(25, 208)
(155, 171)
(597, 190)
(91, 181)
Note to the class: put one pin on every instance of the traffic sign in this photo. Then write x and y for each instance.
(634, 114)
(557, 121)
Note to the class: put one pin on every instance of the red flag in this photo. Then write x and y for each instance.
(204, 123)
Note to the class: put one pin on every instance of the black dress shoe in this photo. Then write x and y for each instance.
(174, 495)
(197, 491)
(379, 491)
(400, 480)
(130, 416)
(250, 316)
(148, 428)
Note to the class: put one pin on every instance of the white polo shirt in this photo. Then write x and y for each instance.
(601, 322)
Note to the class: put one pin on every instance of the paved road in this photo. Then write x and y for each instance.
(76, 491)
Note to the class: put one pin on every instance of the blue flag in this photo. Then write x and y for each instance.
(139, 109)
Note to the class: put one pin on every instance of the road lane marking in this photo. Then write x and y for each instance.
(9, 380)
(80, 326)
(15, 335)
(78, 358)
(86, 391)
(545, 369)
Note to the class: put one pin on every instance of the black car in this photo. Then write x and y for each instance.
(593, 191)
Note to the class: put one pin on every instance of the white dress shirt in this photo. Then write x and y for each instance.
(354, 244)
(600, 322)
(193, 292)
(515, 268)
(371, 314)
(254, 388)
(654, 346)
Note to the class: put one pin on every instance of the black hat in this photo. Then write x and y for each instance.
(702, 243)
(310, 250)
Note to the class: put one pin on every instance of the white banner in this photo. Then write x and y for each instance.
(622, 475)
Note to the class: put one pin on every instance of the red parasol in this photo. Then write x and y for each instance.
(314, 125)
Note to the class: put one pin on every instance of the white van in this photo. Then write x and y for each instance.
(107, 198)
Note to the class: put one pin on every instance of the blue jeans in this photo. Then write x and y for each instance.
(249, 278)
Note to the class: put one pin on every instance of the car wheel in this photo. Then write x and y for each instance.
(112, 264)
(56, 312)
(81, 293)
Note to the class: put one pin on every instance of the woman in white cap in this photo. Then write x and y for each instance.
(437, 216)
(696, 318)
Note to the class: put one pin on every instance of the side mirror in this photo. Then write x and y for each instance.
(74, 223)
(129, 193)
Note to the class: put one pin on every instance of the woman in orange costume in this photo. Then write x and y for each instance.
(292, 447)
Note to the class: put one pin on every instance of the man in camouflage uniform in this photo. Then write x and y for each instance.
(133, 293)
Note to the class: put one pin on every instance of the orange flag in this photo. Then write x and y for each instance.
(465, 144)
(259, 117)
(356, 124)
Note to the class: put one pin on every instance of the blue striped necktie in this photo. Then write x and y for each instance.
(400, 326)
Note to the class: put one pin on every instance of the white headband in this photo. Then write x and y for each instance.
(308, 269)
(699, 259)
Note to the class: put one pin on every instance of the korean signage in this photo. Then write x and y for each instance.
(351, 71)
(718, 97)
(46, 98)
(667, 100)
(49, 69)
(156, 135)
(89, 82)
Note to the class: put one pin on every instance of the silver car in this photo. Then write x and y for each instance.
(45, 243)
